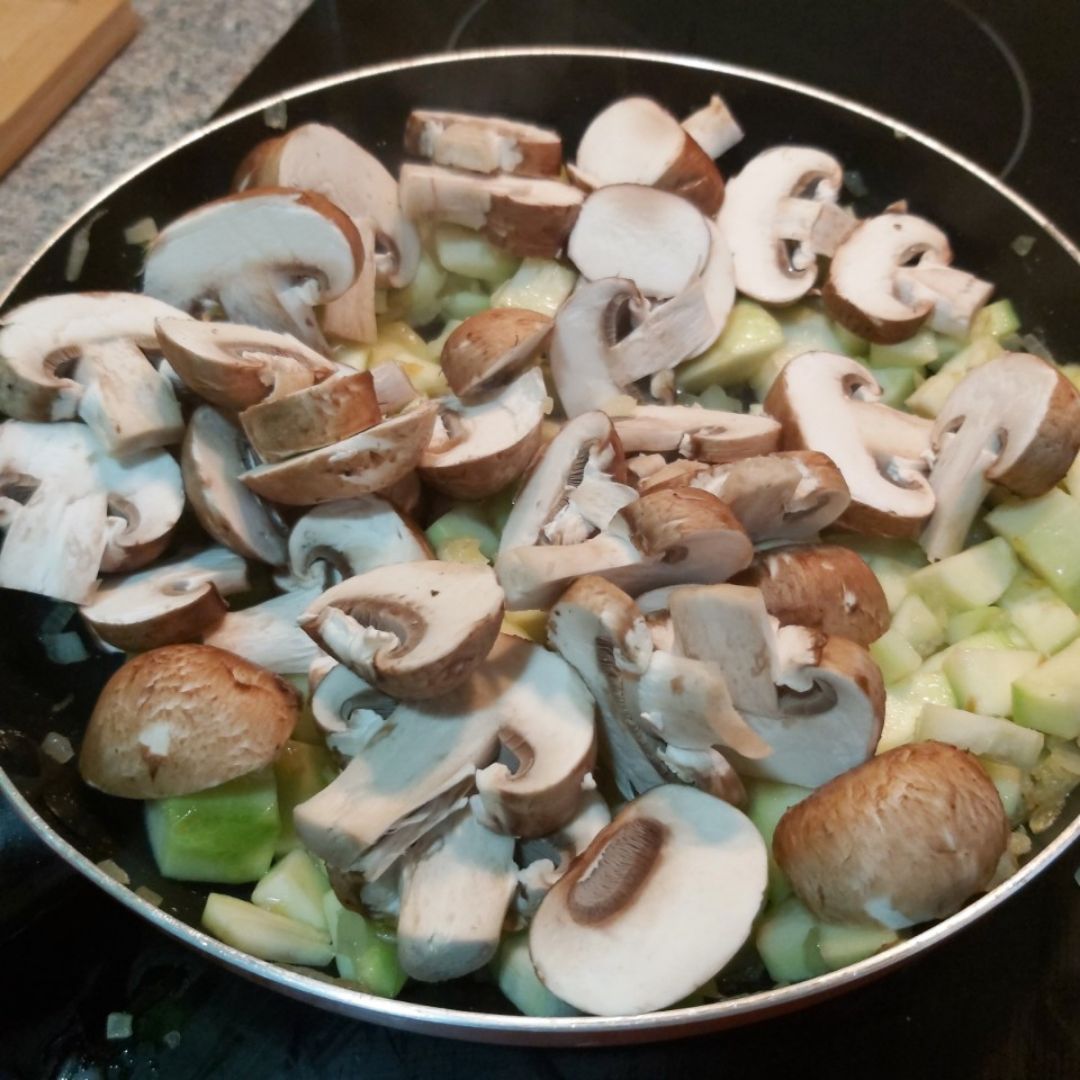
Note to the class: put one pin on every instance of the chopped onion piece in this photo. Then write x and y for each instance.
(118, 1026)
(80, 248)
(58, 747)
(142, 232)
(276, 116)
(115, 871)
(152, 898)
(1022, 245)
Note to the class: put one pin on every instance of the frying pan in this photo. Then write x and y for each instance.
(562, 88)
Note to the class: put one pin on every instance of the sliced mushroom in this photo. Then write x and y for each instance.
(778, 216)
(413, 630)
(636, 141)
(328, 412)
(817, 398)
(524, 216)
(1015, 422)
(266, 256)
(652, 238)
(174, 602)
(662, 899)
(548, 742)
(934, 839)
(477, 449)
(484, 144)
(708, 435)
(184, 718)
(341, 539)
(823, 586)
(392, 388)
(455, 891)
(886, 277)
(215, 454)
(348, 711)
(45, 343)
(267, 634)
(370, 461)
(713, 127)
(236, 367)
(664, 538)
(491, 348)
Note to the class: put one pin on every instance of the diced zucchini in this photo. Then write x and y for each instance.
(539, 285)
(465, 521)
(1048, 698)
(982, 679)
(805, 330)
(225, 834)
(530, 624)
(306, 730)
(265, 934)
(973, 578)
(914, 621)
(365, 953)
(420, 299)
(1040, 614)
(984, 735)
(916, 352)
(463, 303)
(904, 703)
(996, 320)
(840, 946)
(897, 384)
(895, 655)
(965, 624)
(850, 344)
(1044, 533)
(768, 800)
(1072, 478)
(302, 770)
(517, 979)
(1009, 781)
(294, 887)
(716, 397)
(749, 335)
(466, 252)
(928, 399)
(783, 942)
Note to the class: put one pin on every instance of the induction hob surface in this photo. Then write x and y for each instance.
(992, 79)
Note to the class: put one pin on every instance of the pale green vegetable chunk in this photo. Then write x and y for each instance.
(364, 953)
(965, 624)
(972, 578)
(461, 523)
(996, 320)
(839, 946)
(928, 399)
(767, 802)
(850, 343)
(265, 934)
(984, 735)
(749, 335)
(895, 655)
(421, 297)
(904, 703)
(466, 252)
(1009, 781)
(783, 943)
(302, 770)
(514, 972)
(982, 679)
(1048, 698)
(538, 285)
(294, 887)
(1044, 533)
(1072, 478)
(917, 351)
(915, 622)
(897, 384)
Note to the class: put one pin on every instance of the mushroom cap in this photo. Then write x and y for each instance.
(660, 901)
(413, 630)
(267, 256)
(342, 405)
(817, 398)
(215, 453)
(491, 347)
(861, 291)
(173, 602)
(184, 718)
(42, 339)
(372, 460)
(750, 219)
(934, 838)
(709, 435)
(820, 585)
(477, 449)
(235, 367)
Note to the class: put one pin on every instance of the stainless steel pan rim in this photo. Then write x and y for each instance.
(497, 1028)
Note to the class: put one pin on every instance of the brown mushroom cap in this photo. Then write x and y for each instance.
(184, 718)
(492, 347)
(933, 839)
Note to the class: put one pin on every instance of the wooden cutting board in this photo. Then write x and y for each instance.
(49, 51)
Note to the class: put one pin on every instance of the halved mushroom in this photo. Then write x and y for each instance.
(652, 238)
(1015, 422)
(492, 347)
(45, 343)
(266, 257)
(184, 718)
(235, 367)
(933, 840)
(662, 899)
(477, 449)
(456, 887)
(370, 461)
(215, 454)
(524, 216)
(585, 452)
(713, 127)
(328, 412)
(392, 387)
(485, 144)
(267, 634)
(823, 586)
(351, 536)
(548, 742)
(708, 435)
(889, 275)
(348, 711)
(636, 141)
(778, 216)
(176, 601)
(664, 538)
(413, 630)
(818, 398)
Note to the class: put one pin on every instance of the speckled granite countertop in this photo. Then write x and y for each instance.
(187, 58)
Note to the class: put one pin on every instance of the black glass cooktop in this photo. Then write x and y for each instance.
(995, 80)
